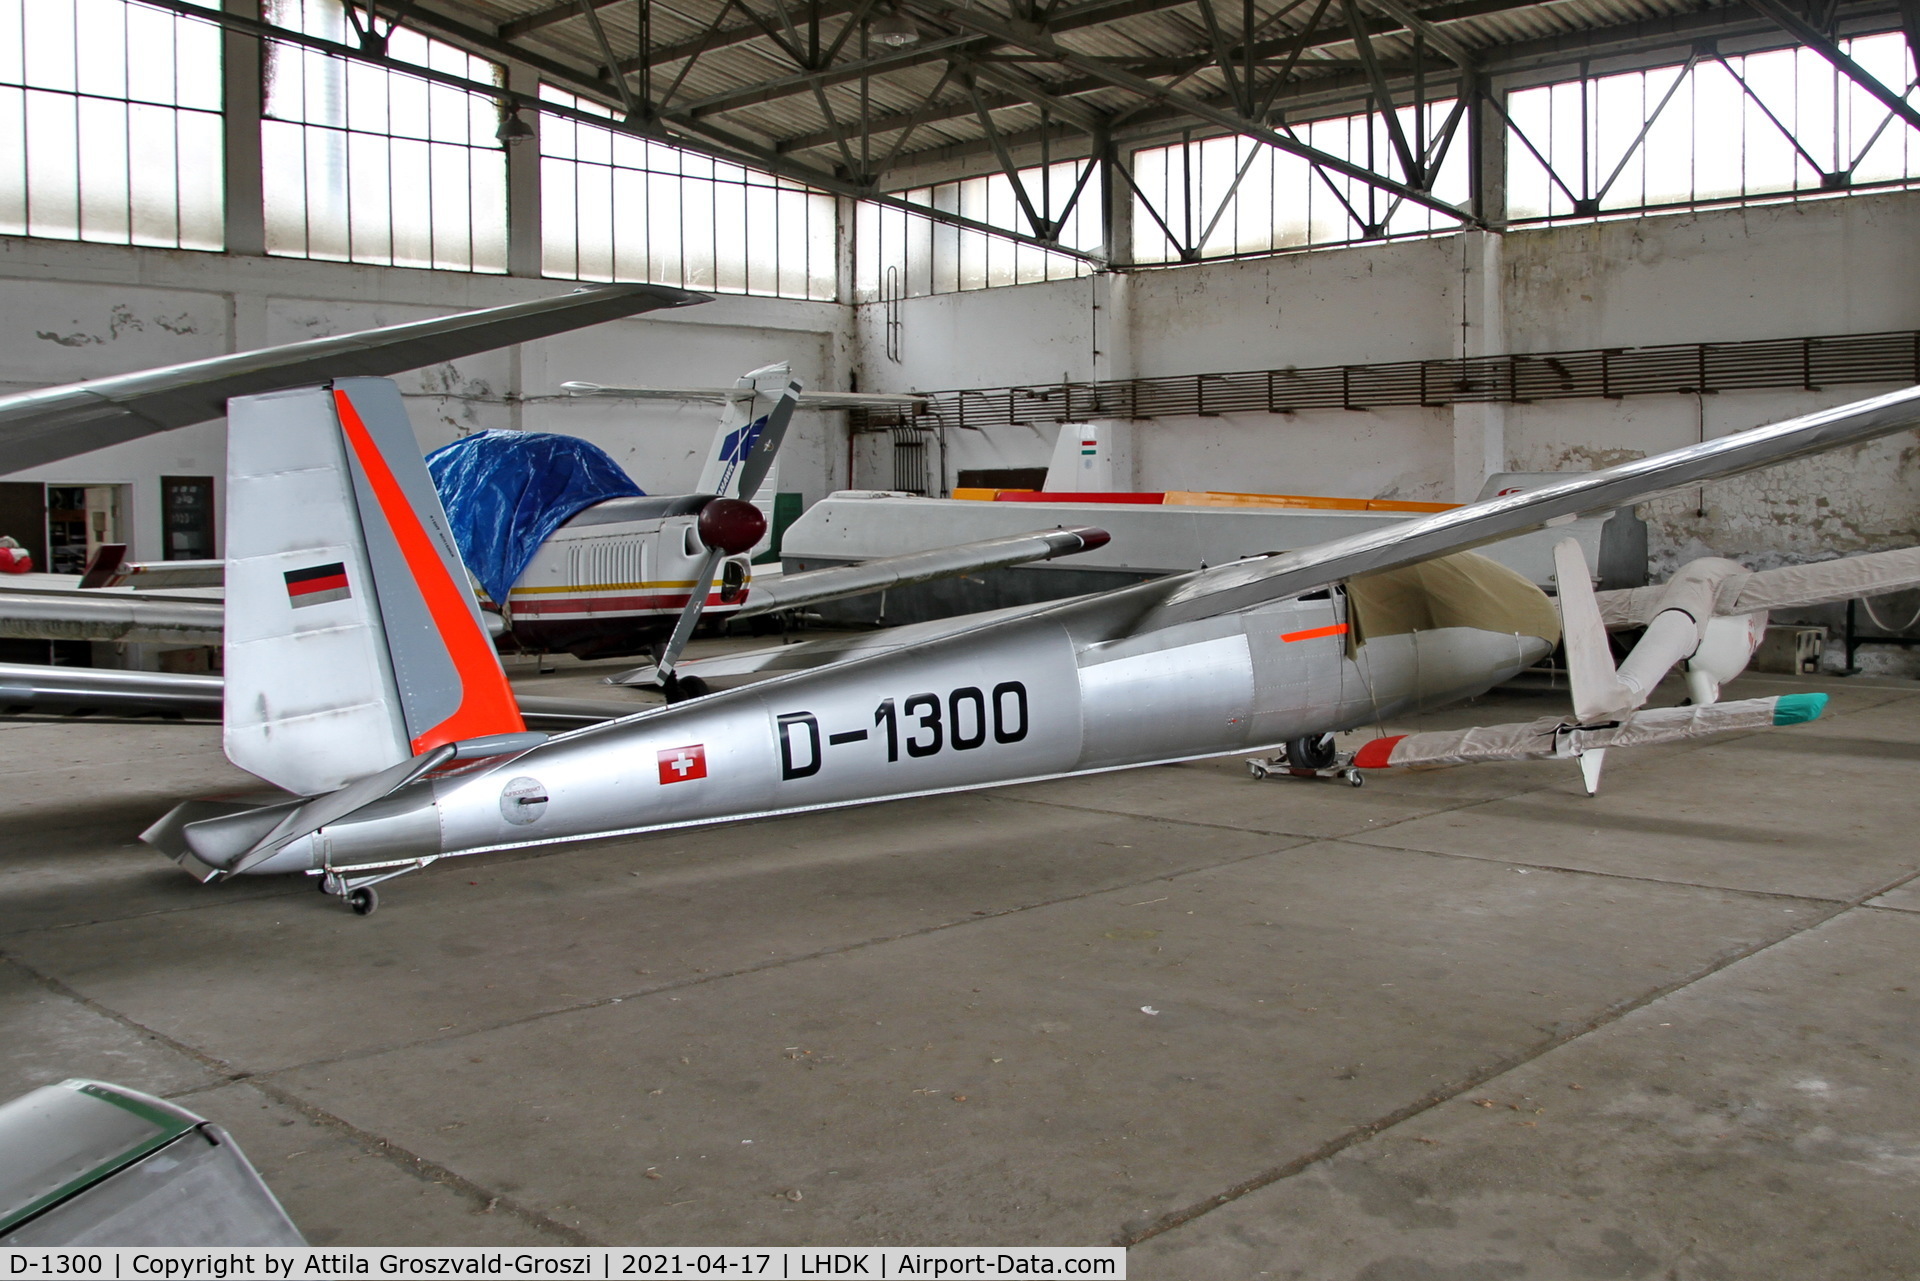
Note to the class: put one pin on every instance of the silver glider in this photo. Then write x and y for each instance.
(360, 677)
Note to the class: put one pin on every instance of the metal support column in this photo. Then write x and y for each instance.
(1486, 153)
(524, 250)
(240, 54)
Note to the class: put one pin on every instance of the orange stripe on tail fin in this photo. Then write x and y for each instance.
(485, 702)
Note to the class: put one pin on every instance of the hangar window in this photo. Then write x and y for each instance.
(110, 124)
(617, 207)
(1221, 197)
(1715, 129)
(363, 164)
(898, 254)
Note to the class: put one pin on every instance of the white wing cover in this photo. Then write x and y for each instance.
(1556, 738)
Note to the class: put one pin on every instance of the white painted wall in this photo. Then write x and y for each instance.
(1839, 266)
(75, 311)
(1849, 265)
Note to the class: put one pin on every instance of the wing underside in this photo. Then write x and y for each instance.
(39, 427)
(1207, 593)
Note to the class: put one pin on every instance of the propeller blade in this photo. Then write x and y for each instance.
(689, 618)
(759, 460)
(730, 525)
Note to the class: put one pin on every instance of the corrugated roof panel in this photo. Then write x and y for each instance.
(1149, 36)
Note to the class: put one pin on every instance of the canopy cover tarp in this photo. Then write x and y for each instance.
(506, 491)
(1461, 590)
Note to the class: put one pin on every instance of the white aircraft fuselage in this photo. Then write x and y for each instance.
(613, 580)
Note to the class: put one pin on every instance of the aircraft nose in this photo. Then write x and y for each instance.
(731, 525)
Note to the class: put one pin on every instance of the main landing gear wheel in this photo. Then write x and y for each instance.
(682, 688)
(1313, 751)
(363, 901)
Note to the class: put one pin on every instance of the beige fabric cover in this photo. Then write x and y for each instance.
(1789, 587)
(1555, 737)
(1462, 590)
(1871, 575)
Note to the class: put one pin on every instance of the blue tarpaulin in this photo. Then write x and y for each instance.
(506, 491)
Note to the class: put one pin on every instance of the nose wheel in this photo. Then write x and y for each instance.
(363, 901)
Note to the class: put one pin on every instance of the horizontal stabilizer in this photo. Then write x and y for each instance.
(103, 691)
(1557, 738)
(211, 840)
(790, 591)
(57, 613)
(111, 568)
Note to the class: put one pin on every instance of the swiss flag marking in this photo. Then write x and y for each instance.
(678, 764)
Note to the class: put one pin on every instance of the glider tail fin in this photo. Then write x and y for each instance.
(353, 640)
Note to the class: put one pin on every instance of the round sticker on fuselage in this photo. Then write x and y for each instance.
(524, 800)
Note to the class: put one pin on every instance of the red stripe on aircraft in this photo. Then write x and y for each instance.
(487, 704)
(1314, 633)
(1376, 753)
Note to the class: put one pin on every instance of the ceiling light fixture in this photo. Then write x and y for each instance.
(894, 29)
(512, 128)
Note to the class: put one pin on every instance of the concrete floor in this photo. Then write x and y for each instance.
(1463, 1023)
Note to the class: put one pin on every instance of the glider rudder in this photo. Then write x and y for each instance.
(353, 640)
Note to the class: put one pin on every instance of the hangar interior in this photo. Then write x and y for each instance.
(1459, 1023)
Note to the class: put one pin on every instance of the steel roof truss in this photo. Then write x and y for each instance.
(1459, 54)
(708, 41)
(1223, 57)
(1040, 42)
(1409, 164)
(1041, 227)
(620, 85)
(1824, 45)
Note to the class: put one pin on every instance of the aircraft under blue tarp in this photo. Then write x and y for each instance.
(506, 491)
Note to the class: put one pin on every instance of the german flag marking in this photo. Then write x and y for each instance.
(318, 585)
(1314, 633)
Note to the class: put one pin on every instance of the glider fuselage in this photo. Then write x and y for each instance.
(1062, 691)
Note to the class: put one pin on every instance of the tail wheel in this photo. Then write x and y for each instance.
(1314, 751)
